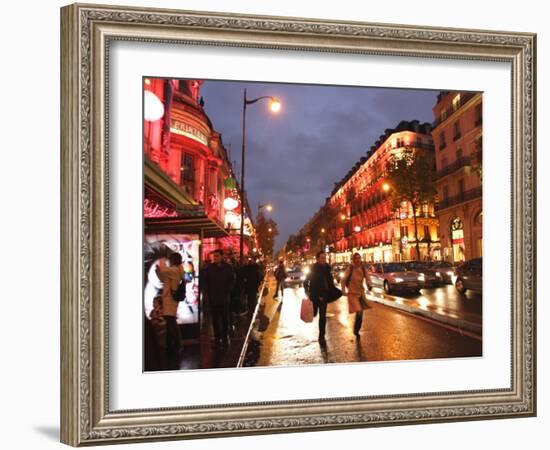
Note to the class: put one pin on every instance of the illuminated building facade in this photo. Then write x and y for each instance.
(359, 217)
(457, 136)
(187, 169)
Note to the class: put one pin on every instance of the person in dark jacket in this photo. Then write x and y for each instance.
(251, 278)
(219, 280)
(235, 304)
(280, 275)
(318, 284)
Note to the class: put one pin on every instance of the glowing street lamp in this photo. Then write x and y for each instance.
(153, 109)
(275, 106)
(386, 187)
(357, 229)
(230, 203)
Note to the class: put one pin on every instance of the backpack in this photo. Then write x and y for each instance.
(179, 293)
(348, 278)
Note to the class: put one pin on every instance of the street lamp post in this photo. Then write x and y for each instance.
(275, 106)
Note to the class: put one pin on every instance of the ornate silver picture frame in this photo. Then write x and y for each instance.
(87, 33)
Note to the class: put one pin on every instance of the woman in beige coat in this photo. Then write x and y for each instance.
(171, 276)
(353, 283)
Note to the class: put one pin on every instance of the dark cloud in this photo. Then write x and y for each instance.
(294, 158)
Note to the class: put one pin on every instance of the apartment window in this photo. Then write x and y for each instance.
(444, 162)
(404, 231)
(442, 144)
(461, 186)
(479, 115)
(459, 154)
(456, 102)
(456, 128)
(445, 193)
(427, 232)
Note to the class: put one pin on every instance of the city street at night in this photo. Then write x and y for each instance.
(387, 333)
(249, 184)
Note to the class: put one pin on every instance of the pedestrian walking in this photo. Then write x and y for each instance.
(236, 303)
(171, 275)
(319, 287)
(251, 279)
(219, 281)
(280, 276)
(353, 282)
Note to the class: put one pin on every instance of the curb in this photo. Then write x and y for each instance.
(461, 324)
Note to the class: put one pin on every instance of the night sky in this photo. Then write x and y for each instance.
(294, 157)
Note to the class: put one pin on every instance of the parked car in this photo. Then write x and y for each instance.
(432, 276)
(469, 276)
(394, 277)
(445, 269)
(295, 276)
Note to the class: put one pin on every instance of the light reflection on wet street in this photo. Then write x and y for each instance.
(387, 334)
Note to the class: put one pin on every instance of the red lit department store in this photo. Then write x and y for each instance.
(189, 185)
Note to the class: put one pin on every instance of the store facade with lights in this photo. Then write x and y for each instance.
(191, 201)
(459, 155)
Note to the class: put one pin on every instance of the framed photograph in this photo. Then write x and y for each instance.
(278, 225)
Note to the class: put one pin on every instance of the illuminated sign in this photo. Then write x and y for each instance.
(188, 131)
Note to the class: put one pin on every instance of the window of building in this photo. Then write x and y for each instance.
(456, 102)
(187, 168)
(459, 154)
(444, 162)
(404, 231)
(479, 115)
(461, 186)
(456, 129)
(427, 235)
(442, 143)
(445, 193)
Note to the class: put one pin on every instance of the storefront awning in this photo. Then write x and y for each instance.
(185, 225)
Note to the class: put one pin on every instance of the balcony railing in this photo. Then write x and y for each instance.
(449, 111)
(460, 198)
(453, 167)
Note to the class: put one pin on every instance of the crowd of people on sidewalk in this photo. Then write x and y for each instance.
(230, 293)
(230, 290)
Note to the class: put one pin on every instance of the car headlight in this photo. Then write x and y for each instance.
(438, 274)
(450, 273)
(287, 279)
(306, 270)
(303, 277)
(421, 277)
(399, 280)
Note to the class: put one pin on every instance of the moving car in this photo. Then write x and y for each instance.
(433, 277)
(468, 276)
(394, 277)
(446, 270)
(296, 276)
(338, 271)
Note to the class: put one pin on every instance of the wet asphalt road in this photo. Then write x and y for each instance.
(444, 300)
(387, 334)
